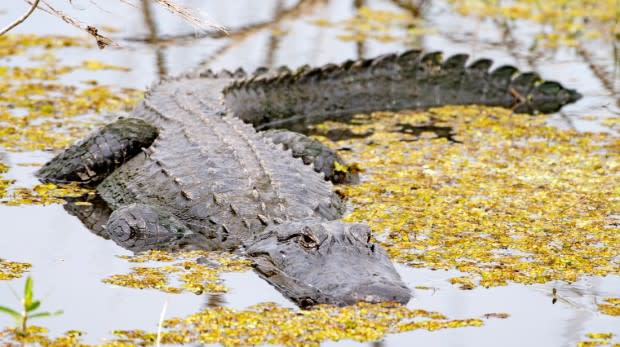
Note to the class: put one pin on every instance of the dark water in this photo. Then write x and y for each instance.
(69, 262)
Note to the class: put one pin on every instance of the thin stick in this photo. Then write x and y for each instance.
(102, 41)
(126, 2)
(188, 16)
(19, 20)
(161, 323)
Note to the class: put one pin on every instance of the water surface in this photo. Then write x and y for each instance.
(69, 262)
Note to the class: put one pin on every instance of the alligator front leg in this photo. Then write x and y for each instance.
(91, 160)
(140, 227)
(313, 152)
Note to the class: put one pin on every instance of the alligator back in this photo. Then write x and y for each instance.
(213, 171)
(220, 177)
(411, 80)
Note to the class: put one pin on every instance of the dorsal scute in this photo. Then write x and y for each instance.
(238, 156)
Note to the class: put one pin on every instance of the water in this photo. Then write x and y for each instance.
(69, 262)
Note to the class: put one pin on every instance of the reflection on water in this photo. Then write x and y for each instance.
(151, 25)
(68, 262)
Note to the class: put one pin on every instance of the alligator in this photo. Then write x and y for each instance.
(192, 168)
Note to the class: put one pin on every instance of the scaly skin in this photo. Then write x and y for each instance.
(411, 80)
(209, 180)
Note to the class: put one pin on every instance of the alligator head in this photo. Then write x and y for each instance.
(318, 262)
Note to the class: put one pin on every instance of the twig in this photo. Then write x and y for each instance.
(188, 16)
(102, 41)
(161, 323)
(20, 19)
(302, 7)
(126, 2)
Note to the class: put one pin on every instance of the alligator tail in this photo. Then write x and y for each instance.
(411, 80)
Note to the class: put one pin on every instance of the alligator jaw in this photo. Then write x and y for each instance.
(375, 292)
(326, 262)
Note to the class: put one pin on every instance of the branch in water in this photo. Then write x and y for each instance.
(126, 2)
(19, 20)
(103, 41)
(188, 16)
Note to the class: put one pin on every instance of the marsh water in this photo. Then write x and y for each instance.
(68, 262)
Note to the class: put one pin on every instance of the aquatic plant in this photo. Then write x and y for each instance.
(29, 305)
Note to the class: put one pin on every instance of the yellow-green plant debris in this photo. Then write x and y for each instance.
(598, 339)
(43, 194)
(18, 44)
(374, 24)
(10, 269)
(612, 122)
(4, 183)
(37, 112)
(464, 282)
(193, 276)
(561, 22)
(515, 200)
(611, 306)
(269, 323)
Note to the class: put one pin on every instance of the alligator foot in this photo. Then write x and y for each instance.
(139, 227)
(324, 159)
(91, 160)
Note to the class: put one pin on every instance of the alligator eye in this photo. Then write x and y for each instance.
(306, 303)
(308, 241)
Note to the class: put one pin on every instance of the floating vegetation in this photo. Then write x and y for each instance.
(38, 113)
(598, 339)
(11, 270)
(17, 44)
(269, 323)
(49, 117)
(197, 271)
(4, 183)
(611, 306)
(612, 122)
(562, 22)
(379, 25)
(515, 201)
(511, 200)
(43, 194)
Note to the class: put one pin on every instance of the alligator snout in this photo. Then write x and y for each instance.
(375, 292)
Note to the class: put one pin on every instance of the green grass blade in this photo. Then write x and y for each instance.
(33, 306)
(40, 314)
(45, 314)
(10, 312)
(28, 292)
